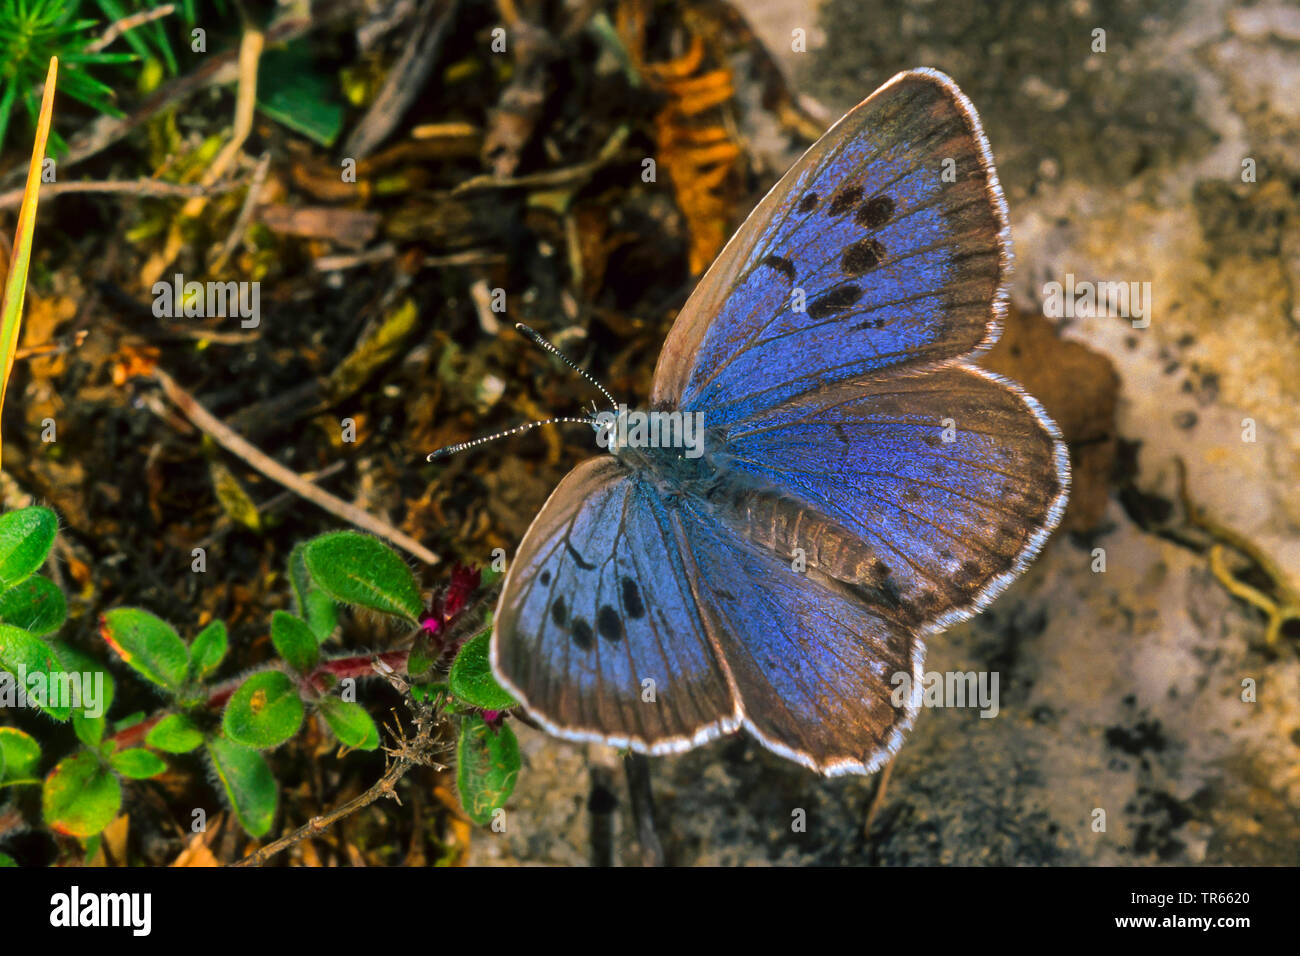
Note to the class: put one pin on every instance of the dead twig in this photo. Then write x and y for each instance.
(147, 188)
(405, 79)
(217, 430)
(130, 23)
(245, 213)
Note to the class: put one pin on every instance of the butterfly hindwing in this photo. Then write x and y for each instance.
(885, 245)
(597, 631)
(822, 677)
(951, 479)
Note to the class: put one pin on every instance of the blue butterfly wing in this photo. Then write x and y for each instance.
(817, 670)
(886, 245)
(949, 482)
(596, 603)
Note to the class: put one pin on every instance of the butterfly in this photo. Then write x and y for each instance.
(860, 486)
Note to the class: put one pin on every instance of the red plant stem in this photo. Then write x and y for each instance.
(360, 665)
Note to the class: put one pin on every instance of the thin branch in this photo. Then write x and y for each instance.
(219, 432)
(152, 188)
(130, 23)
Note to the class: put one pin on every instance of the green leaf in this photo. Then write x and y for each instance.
(148, 644)
(293, 92)
(96, 698)
(248, 784)
(487, 764)
(34, 667)
(7, 860)
(350, 723)
(19, 754)
(265, 711)
(358, 569)
(36, 605)
(174, 734)
(138, 763)
(89, 730)
(208, 650)
(311, 603)
(471, 677)
(295, 641)
(26, 537)
(80, 796)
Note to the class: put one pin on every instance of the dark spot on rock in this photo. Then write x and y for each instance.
(781, 264)
(582, 634)
(1143, 735)
(558, 613)
(875, 212)
(836, 300)
(609, 623)
(844, 200)
(807, 204)
(862, 255)
(632, 600)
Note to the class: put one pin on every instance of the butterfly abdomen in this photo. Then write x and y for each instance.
(806, 539)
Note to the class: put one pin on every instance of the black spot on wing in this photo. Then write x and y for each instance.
(632, 602)
(582, 634)
(862, 255)
(875, 212)
(836, 300)
(558, 613)
(545, 578)
(609, 624)
(844, 200)
(807, 204)
(781, 265)
(867, 324)
(573, 553)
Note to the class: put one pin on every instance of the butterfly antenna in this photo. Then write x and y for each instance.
(450, 450)
(540, 342)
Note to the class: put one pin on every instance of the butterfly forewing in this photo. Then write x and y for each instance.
(597, 631)
(885, 246)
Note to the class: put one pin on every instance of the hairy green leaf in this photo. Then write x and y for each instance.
(350, 723)
(138, 763)
(264, 712)
(26, 537)
(19, 754)
(247, 782)
(35, 669)
(487, 764)
(148, 644)
(294, 641)
(471, 677)
(208, 650)
(36, 605)
(358, 569)
(80, 796)
(174, 734)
